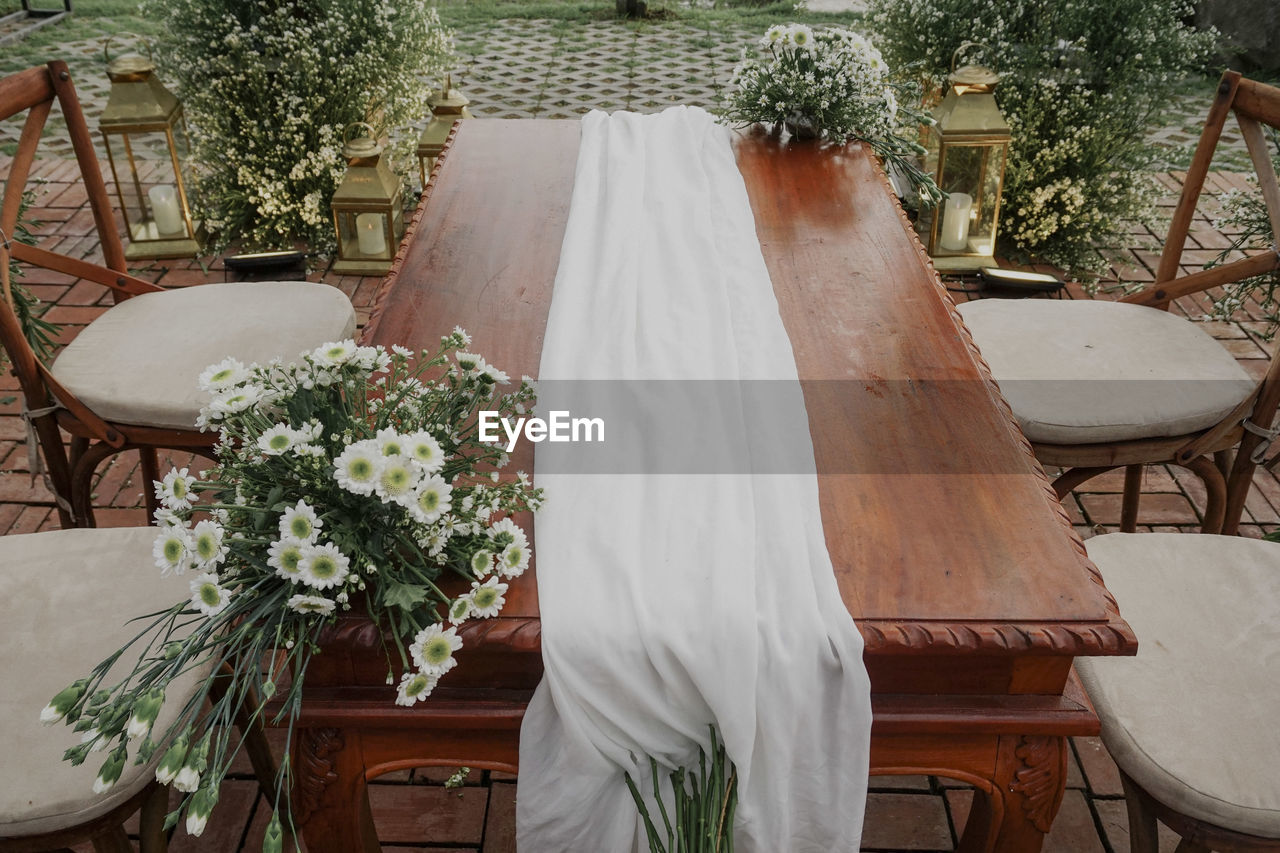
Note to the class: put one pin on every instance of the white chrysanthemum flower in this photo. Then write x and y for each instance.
(334, 353)
(402, 351)
(513, 561)
(482, 563)
(323, 566)
(358, 468)
(494, 374)
(285, 556)
(398, 480)
(469, 362)
(235, 400)
(311, 604)
(433, 649)
(461, 334)
(172, 549)
(223, 375)
(300, 523)
(507, 532)
(207, 595)
(487, 598)
(207, 550)
(276, 440)
(391, 443)
(174, 491)
(431, 500)
(415, 686)
(460, 609)
(422, 447)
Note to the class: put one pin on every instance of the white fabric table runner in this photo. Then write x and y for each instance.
(669, 602)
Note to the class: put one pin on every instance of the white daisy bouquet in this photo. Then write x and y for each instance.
(831, 81)
(353, 478)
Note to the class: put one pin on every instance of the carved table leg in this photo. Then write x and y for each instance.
(1030, 778)
(1032, 772)
(330, 795)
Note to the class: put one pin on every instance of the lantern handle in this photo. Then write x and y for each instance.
(346, 133)
(106, 50)
(956, 54)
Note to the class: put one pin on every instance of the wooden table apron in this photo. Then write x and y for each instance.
(971, 589)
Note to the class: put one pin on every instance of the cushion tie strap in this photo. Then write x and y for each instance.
(34, 463)
(1267, 435)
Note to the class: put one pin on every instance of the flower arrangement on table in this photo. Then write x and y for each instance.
(352, 478)
(832, 81)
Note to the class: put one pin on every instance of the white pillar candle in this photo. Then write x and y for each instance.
(955, 222)
(165, 209)
(369, 234)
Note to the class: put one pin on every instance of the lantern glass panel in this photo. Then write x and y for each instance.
(971, 174)
(365, 235)
(147, 167)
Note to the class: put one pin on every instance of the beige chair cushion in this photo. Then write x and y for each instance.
(1193, 719)
(139, 362)
(1092, 372)
(65, 597)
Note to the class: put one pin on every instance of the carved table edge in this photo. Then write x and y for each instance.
(888, 636)
(1115, 625)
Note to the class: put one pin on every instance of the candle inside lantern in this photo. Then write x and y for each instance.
(369, 235)
(955, 222)
(165, 209)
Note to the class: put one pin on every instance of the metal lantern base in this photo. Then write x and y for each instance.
(155, 250)
(361, 267)
(961, 263)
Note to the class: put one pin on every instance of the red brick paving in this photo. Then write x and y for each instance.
(412, 808)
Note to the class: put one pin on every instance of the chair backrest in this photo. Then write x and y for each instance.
(1254, 104)
(33, 92)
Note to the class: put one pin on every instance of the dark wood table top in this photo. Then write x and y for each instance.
(943, 531)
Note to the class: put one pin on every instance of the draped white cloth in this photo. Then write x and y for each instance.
(670, 602)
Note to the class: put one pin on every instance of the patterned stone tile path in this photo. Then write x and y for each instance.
(413, 809)
(560, 69)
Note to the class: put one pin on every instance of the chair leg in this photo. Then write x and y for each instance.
(1069, 479)
(112, 840)
(1142, 819)
(49, 437)
(150, 473)
(84, 466)
(151, 834)
(1132, 495)
(1215, 507)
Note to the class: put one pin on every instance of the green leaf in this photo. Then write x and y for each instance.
(406, 596)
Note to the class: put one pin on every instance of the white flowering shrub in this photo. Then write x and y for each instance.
(1244, 214)
(834, 82)
(352, 478)
(268, 87)
(1081, 83)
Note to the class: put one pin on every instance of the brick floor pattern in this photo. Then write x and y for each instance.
(543, 69)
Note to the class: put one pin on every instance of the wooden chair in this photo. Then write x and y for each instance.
(129, 380)
(1191, 719)
(1181, 399)
(54, 628)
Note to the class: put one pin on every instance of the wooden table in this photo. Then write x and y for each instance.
(971, 589)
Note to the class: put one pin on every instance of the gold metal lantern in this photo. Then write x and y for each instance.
(966, 152)
(447, 106)
(368, 207)
(147, 146)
